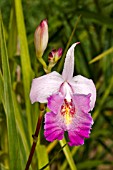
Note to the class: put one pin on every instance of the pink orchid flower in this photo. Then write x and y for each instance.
(69, 99)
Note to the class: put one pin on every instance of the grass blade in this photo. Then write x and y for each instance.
(95, 17)
(12, 38)
(25, 61)
(14, 147)
(42, 157)
(104, 97)
(89, 164)
(100, 56)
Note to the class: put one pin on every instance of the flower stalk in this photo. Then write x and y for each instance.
(68, 154)
(45, 67)
(35, 136)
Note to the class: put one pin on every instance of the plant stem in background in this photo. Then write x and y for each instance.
(67, 46)
(68, 154)
(35, 136)
(43, 63)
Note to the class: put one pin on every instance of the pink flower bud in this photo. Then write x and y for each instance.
(55, 55)
(60, 52)
(41, 38)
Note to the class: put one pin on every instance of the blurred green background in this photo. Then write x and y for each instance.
(93, 59)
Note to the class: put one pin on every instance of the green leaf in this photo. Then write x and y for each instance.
(24, 147)
(20, 125)
(95, 17)
(3, 168)
(4, 152)
(100, 56)
(1, 88)
(103, 99)
(89, 164)
(25, 62)
(12, 38)
(14, 147)
(42, 157)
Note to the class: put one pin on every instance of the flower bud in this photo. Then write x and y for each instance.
(54, 56)
(41, 38)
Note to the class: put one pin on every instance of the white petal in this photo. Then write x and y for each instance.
(68, 69)
(66, 91)
(82, 85)
(45, 86)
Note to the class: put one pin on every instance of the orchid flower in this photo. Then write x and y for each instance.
(69, 99)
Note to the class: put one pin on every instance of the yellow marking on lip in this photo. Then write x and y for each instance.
(67, 116)
(67, 111)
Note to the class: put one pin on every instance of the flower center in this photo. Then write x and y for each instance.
(67, 111)
(66, 90)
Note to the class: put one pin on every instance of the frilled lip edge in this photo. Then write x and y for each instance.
(55, 127)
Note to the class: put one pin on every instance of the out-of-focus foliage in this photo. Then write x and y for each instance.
(18, 117)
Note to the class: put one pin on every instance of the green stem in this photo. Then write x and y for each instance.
(40, 59)
(68, 154)
(51, 146)
(65, 163)
(67, 46)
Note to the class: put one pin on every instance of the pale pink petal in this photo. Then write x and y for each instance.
(82, 102)
(82, 85)
(54, 102)
(53, 128)
(45, 86)
(68, 69)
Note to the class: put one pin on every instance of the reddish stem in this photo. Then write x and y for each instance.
(35, 137)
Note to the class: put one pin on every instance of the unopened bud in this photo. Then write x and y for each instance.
(41, 38)
(54, 56)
